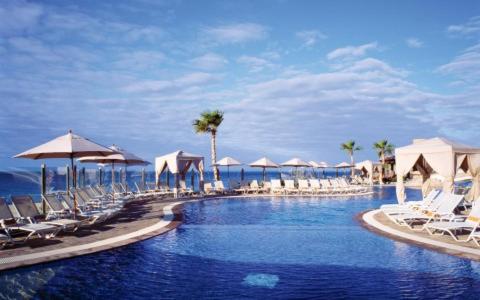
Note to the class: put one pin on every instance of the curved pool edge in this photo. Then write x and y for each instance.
(172, 218)
(367, 220)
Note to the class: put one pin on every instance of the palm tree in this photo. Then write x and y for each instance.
(209, 122)
(350, 148)
(383, 147)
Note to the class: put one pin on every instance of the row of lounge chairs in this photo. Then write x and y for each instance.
(289, 186)
(438, 213)
(94, 205)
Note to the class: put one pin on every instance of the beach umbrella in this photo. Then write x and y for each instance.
(227, 162)
(121, 156)
(68, 146)
(264, 163)
(296, 163)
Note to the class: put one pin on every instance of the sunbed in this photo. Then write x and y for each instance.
(430, 203)
(183, 189)
(277, 187)
(412, 204)
(290, 187)
(315, 186)
(445, 211)
(27, 210)
(304, 187)
(5, 240)
(208, 188)
(93, 215)
(12, 227)
(219, 187)
(459, 223)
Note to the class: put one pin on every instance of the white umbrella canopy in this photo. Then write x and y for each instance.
(227, 162)
(120, 156)
(66, 146)
(295, 162)
(314, 164)
(264, 163)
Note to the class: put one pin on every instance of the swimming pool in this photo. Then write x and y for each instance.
(259, 248)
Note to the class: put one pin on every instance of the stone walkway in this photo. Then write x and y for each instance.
(139, 220)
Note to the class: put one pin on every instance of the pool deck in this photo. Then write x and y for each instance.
(138, 221)
(376, 221)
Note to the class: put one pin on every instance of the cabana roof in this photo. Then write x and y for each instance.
(178, 162)
(435, 145)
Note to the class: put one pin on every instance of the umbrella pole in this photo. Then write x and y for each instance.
(113, 181)
(44, 187)
(264, 175)
(228, 172)
(73, 185)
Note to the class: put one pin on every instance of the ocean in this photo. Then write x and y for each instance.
(28, 181)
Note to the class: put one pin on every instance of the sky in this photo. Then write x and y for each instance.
(294, 78)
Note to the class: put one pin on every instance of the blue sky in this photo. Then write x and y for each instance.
(294, 78)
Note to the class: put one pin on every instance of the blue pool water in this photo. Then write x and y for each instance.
(259, 249)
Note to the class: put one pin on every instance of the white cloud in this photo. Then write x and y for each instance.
(465, 66)
(414, 43)
(310, 37)
(209, 61)
(470, 28)
(351, 51)
(255, 64)
(236, 33)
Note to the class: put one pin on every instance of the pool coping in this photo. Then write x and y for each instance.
(368, 221)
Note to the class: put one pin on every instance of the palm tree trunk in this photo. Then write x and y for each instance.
(352, 171)
(214, 155)
(382, 159)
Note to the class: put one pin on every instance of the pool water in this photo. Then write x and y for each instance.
(259, 248)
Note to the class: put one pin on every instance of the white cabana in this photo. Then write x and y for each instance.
(440, 156)
(178, 163)
(368, 167)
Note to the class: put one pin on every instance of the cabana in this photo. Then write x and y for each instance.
(178, 163)
(440, 156)
(366, 166)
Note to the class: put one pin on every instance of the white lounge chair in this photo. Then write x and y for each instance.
(412, 204)
(445, 211)
(459, 223)
(208, 189)
(290, 187)
(277, 187)
(12, 227)
(28, 211)
(304, 187)
(219, 187)
(315, 186)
